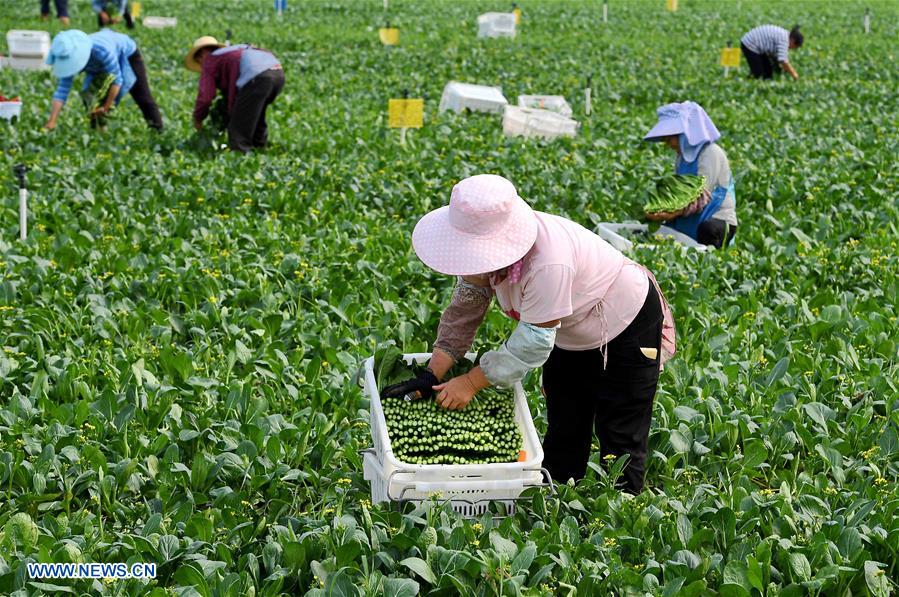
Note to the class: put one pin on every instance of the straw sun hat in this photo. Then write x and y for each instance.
(207, 41)
(485, 227)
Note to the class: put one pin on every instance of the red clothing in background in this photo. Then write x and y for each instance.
(219, 72)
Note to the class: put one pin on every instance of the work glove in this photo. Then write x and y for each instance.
(421, 386)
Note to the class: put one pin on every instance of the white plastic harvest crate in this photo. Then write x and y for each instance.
(468, 487)
(553, 103)
(10, 110)
(28, 49)
(609, 232)
(478, 98)
(159, 22)
(496, 24)
(527, 122)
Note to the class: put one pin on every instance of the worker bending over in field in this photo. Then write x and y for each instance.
(249, 78)
(688, 130)
(766, 46)
(100, 55)
(592, 318)
(108, 12)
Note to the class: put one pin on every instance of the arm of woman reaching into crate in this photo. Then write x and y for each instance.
(527, 348)
(455, 334)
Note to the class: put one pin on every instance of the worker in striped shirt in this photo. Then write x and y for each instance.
(767, 46)
(101, 54)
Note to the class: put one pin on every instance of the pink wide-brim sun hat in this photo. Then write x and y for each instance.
(485, 227)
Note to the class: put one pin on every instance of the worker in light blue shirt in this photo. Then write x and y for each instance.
(100, 54)
(108, 11)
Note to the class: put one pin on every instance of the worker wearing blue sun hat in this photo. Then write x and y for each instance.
(101, 54)
(687, 129)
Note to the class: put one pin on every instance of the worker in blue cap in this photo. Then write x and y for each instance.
(104, 54)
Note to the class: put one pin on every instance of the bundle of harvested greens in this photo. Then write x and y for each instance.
(675, 196)
(95, 96)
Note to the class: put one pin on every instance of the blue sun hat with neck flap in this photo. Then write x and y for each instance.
(69, 53)
(689, 122)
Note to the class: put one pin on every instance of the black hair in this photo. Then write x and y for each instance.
(796, 36)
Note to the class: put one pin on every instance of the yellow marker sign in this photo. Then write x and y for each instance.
(405, 113)
(671, 5)
(135, 10)
(517, 13)
(390, 36)
(730, 57)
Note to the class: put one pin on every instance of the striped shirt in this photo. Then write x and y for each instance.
(109, 55)
(770, 40)
(107, 5)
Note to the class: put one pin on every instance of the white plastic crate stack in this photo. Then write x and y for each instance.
(477, 98)
(496, 24)
(553, 103)
(469, 488)
(159, 22)
(10, 109)
(528, 122)
(611, 233)
(28, 49)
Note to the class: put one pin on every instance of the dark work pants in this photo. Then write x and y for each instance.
(248, 128)
(615, 403)
(141, 93)
(62, 8)
(716, 233)
(760, 65)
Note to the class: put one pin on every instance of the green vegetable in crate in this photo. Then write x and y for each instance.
(94, 97)
(423, 433)
(676, 195)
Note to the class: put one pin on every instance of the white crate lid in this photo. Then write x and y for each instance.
(478, 92)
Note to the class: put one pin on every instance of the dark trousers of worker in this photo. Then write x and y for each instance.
(615, 402)
(62, 8)
(761, 66)
(248, 128)
(141, 93)
(716, 233)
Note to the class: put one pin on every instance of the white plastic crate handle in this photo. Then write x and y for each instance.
(453, 486)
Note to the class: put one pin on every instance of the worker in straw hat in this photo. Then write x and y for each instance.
(595, 321)
(687, 130)
(102, 54)
(249, 78)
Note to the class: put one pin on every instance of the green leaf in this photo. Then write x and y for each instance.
(736, 572)
(876, 579)
(400, 587)
(502, 545)
(754, 574)
(420, 567)
(754, 453)
(243, 354)
(523, 560)
(679, 442)
(802, 570)
(779, 370)
(51, 588)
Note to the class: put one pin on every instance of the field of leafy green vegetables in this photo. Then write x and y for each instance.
(180, 331)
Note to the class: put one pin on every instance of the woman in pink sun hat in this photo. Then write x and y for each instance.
(594, 320)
